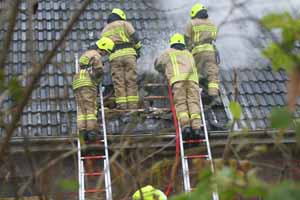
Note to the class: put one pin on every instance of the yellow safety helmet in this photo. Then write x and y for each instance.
(119, 12)
(196, 8)
(106, 44)
(147, 192)
(177, 38)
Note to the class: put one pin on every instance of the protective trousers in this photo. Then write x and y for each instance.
(87, 109)
(186, 100)
(207, 68)
(124, 77)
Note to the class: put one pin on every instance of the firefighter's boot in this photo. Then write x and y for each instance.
(92, 136)
(186, 133)
(198, 134)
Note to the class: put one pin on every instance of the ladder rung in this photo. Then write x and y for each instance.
(193, 141)
(196, 156)
(94, 190)
(155, 85)
(92, 157)
(93, 174)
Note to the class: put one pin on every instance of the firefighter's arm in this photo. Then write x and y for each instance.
(159, 66)
(134, 38)
(96, 68)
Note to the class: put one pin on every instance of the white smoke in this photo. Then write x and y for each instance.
(239, 39)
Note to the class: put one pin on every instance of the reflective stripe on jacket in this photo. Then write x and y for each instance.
(122, 52)
(82, 79)
(181, 69)
(202, 48)
(117, 33)
(204, 32)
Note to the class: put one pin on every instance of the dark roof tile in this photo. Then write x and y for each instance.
(269, 99)
(261, 100)
(279, 100)
(281, 86)
(251, 100)
(247, 88)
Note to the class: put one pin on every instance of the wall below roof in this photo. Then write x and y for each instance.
(137, 163)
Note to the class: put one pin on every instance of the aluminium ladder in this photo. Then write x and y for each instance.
(186, 158)
(180, 143)
(83, 176)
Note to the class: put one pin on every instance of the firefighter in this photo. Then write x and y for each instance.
(200, 35)
(85, 89)
(123, 59)
(149, 193)
(178, 65)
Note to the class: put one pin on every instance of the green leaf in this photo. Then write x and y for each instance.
(279, 58)
(235, 109)
(68, 185)
(286, 191)
(281, 118)
(276, 20)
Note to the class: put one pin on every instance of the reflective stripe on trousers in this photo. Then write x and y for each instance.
(127, 99)
(213, 85)
(87, 117)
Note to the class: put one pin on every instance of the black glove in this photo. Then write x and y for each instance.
(138, 53)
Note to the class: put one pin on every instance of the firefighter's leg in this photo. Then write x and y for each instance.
(200, 64)
(194, 105)
(131, 82)
(118, 76)
(212, 73)
(92, 124)
(193, 100)
(180, 101)
(81, 112)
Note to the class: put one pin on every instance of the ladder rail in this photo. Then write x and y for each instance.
(80, 162)
(206, 133)
(214, 194)
(107, 176)
(184, 162)
(185, 166)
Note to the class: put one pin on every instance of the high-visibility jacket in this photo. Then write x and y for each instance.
(119, 32)
(147, 193)
(201, 34)
(178, 65)
(83, 79)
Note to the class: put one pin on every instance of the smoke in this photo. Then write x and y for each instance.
(239, 38)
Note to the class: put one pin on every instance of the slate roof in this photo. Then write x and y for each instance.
(259, 90)
(52, 110)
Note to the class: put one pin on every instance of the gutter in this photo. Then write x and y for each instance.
(217, 139)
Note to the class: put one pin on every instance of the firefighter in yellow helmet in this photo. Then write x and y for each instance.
(85, 89)
(123, 58)
(200, 35)
(149, 193)
(178, 65)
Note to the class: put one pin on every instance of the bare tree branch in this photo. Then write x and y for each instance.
(36, 76)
